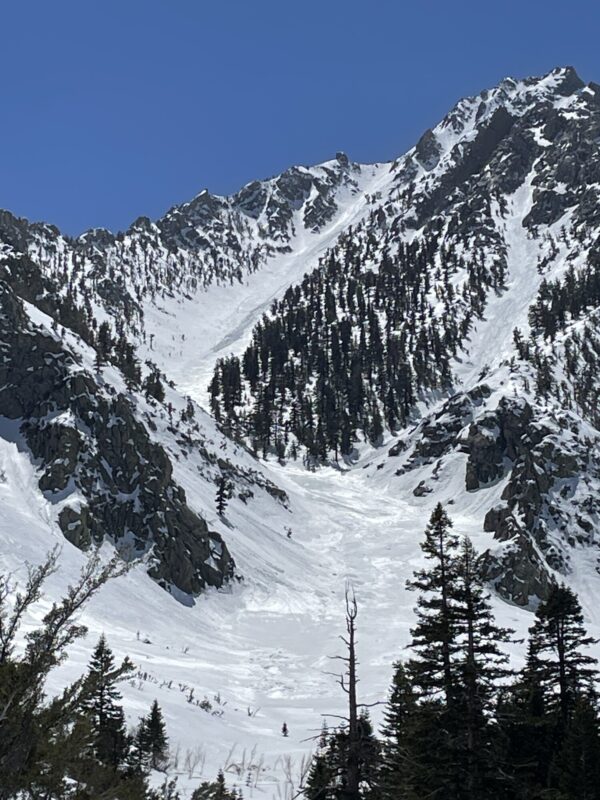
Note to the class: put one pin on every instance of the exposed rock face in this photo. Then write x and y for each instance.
(470, 161)
(496, 436)
(98, 465)
(428, 150)
(547, 494)
(439, 433)
(209, 239)
(455, 189)
(549, 470)
(518, 572)
(546, 505)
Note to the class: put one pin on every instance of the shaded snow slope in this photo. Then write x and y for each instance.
(258, 649)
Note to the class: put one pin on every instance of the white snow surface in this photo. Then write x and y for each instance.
(190, 334)
(262, 647)
(259, 651)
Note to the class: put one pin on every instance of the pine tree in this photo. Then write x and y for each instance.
(575, 769)
(537, 717)
(527, 731)
(321, 780)
(224, 489)
(434, 667)
(152, 385)
(432, 670)
(482, 666)
(104, 344)
(103, 704)
(215, 790)
(451, 679)
(331, 772)
(152, 739)
(557, 641)
(397, 767)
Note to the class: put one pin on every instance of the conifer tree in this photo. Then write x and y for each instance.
(152, 737)
(224, 489)
(527, 730)
(432, 669)
(215, 790)
(558, 640)
(331, 771)
(482, 666)
(538, 718)
(152, 385)
(397, 764)
(450, 686)
(324, 767)
(104, 344)
(575, 768)
(103, 704)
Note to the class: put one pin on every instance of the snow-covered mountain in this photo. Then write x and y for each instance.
(372, 340)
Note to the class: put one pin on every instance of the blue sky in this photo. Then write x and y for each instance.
(115, 109)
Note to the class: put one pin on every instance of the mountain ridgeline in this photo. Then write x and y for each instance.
(475, 278)
(376, 327)
(429, 318)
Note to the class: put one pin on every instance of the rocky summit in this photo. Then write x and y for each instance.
(259, 396)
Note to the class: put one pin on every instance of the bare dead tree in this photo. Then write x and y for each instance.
(348, 683)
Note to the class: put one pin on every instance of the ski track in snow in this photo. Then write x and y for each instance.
(262, 646)
(507, 311)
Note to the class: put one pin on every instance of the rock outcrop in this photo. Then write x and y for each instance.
(97, 462)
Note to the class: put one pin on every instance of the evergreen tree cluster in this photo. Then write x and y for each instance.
(458, 724)
(567, 297)
(566, 367)
(351, 348)
(75, 746)
(327, 776)
(568, 370)
(68, 299)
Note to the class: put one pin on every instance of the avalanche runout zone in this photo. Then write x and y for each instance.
(259, 650)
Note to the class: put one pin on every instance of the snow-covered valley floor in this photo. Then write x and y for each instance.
(229, 670)
(260, 651)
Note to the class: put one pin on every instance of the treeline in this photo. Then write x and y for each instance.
(568, 369)
(69, 302)
(458, 724)
(75, 746)
(566, 298)
(349, 350)
(70, 306)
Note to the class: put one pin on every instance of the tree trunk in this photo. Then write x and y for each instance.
(351, 789)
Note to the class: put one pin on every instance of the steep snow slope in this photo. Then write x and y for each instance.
(188, 333)
(258, 649)
(261, 647)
